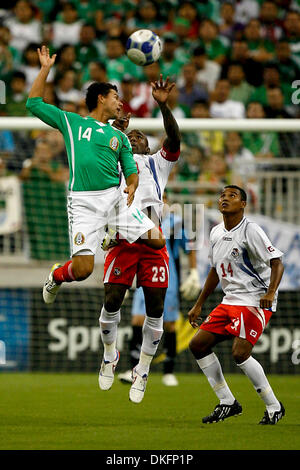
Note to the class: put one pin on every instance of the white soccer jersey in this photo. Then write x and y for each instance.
(241, 257)
(153, 171)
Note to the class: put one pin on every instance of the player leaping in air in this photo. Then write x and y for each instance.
(124, 261)
(249, 269)
(95, 200)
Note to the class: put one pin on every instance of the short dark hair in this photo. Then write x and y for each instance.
(96, 89)
(19, 74)
(241, 190)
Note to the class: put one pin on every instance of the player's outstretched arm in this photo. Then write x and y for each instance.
(160, 92)
(211, 283)
(37, 89)
(277, 269)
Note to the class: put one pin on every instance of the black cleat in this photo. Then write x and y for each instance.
(274, 418)
(222, 412)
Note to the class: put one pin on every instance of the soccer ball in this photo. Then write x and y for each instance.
(143, 47)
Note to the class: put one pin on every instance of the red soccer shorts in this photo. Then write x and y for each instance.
(126, 260)
(241, 321)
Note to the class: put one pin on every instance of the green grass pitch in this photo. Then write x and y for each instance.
(69, 412)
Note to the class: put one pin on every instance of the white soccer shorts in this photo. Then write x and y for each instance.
(89, 212)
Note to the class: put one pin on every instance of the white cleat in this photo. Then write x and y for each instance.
(50, 287)
(125, 377)
(138, 387)
(109, 240)
(107, 372)
(169, 380)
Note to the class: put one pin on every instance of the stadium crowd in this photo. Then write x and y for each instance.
(229, 59)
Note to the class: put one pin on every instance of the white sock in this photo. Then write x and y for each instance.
(211, 367)
(254, 371)
(143, 367)
(152, 333)
(108, 322)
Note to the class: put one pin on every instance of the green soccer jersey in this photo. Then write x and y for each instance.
(94, 148)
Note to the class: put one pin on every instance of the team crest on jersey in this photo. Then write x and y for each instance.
(79, 239)
(235, 253)
(114, 143)
(117, 271)
(207, 319)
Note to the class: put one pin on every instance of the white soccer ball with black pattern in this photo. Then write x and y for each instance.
(143, 47)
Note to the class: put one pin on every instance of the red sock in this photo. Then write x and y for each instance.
(64, 273)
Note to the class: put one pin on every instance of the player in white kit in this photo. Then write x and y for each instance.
(249, 269)
(125, 260)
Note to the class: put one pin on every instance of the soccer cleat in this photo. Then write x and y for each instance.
(50, 287)
(107, 372)
(138, 387)
(110, 239)
(273, 417)
(169, 380)
(125, 377)
(222, 412)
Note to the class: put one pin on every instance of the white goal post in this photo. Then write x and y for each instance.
(185, 125)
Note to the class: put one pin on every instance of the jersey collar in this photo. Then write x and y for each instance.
(236, 227)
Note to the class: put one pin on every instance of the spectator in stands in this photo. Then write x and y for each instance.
(228, 26)
(132, 103)
(188, 11)
(222, 106)
(66, 60)
(261, 50)
(239, 159)
(117, 63)
(240, 53)
(271, 25)
(179, 110)
(31, 65)
(292, 32)
(275, 107)
(55, 140)
(216, 47)
(66, 28)
(23, 26)
(97, 73)
(190, 164)
(215, 172)
(240, 90)
(44, 195)
(170, 63)
(241, 163)
(209, 141)
(208, 71)
(17, 95)
(191, 91)
(42, 162)
(86, 50)
(65, 88)
(288, 66)
(271, 79)
(144, 88)
(261, 144)
(6, 54)
(146, 17)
